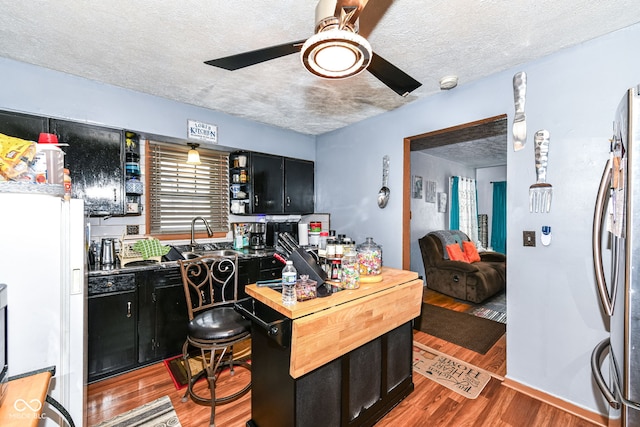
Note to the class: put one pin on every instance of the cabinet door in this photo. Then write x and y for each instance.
(112, 345)
(298, 186)
(171, 320)
(248, 273)
(94, 158)
(163, 318)
(267, 182)
(22, 125)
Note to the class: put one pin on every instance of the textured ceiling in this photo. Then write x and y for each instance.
(158, 47)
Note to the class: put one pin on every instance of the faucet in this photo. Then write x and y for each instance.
(193, 223)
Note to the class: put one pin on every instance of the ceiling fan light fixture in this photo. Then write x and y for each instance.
(193, 156)
(336, 54)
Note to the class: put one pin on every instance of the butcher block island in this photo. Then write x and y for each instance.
(342, 360)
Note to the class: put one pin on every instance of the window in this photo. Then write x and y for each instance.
(178, 192)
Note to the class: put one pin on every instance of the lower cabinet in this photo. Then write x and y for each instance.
(162, 326)
(112, 324)
(139, 318)
(356, 389)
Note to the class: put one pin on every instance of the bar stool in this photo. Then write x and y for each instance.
(211, 288)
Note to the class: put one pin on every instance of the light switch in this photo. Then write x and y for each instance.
(528, 238)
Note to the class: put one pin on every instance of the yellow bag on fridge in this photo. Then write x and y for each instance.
(15, 156)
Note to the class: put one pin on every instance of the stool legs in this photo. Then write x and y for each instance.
(213, 360)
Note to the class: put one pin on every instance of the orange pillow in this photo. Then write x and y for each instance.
(455, 253)
(470, 251)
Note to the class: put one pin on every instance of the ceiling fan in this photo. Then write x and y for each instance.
(335, 51)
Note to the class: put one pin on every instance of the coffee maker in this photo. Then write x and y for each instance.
(257, 234)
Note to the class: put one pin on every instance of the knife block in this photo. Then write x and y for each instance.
(306, 264)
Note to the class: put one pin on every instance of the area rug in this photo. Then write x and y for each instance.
(461, 377)
(463, 329)
(178, 372)
(495, 308)
(160, 412)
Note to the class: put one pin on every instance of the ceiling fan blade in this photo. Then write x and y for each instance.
(372, 15)
(399, 81)
(246, 59)
(353, 9)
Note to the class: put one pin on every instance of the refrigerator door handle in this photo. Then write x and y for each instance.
(597, 373)
(596, 240)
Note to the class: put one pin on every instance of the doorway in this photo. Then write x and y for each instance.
(478, 145)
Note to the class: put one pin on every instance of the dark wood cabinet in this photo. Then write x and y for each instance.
(163, 314)
(357, 389)
(112, 325)
(248, 273)
(95, 160)
(22, 126)
(270, 268)
(298, 186)
(271, 184)
(266, 178)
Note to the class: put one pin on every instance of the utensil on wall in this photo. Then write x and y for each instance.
(383, 194)
(520, 121)
(540, 192)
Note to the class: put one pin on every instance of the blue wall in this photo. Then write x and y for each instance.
(35, 90)
(554, 317)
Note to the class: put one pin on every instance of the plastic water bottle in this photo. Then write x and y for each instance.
(289, 277)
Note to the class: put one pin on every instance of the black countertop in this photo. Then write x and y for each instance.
(102, 270)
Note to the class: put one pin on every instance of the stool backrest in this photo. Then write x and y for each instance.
(209, 282)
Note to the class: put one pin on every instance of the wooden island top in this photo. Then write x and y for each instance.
(324, 329)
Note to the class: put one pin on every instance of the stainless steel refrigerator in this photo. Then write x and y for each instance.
(616, 253)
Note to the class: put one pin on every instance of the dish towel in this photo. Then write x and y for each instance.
(151, 247)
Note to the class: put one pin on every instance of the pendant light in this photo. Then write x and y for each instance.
(193, 157)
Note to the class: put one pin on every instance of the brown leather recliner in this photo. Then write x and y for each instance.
(474, 281)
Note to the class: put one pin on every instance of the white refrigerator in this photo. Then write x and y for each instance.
(43, 264)
(616, 239)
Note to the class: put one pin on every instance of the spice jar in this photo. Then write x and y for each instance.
(370, 261)
(331, 248)
(335, 270)
(350, 272)
(243, 176)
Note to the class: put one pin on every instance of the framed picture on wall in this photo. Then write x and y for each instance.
(442, 202)
(430, 191)
(416, 187)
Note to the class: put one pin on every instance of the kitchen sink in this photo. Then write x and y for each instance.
(229, 253)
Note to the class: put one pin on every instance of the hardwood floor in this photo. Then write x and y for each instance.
(430, 403)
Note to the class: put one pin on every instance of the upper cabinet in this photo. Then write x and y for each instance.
(22, 126)
(298, 186)
(95, 159)
(267, 184)
(267, 174)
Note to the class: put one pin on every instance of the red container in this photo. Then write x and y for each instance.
(315, 226)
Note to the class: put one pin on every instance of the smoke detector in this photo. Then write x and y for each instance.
(448, 82)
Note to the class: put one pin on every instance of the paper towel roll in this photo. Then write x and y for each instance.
(303, 234)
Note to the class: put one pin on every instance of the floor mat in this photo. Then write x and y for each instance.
(160, 412)
(463, 329)
(178, 373)
(461, 377)
(495, 308)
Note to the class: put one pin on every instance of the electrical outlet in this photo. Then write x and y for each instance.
(528, 238)
(132, 229)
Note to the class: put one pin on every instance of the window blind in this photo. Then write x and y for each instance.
(178, 192)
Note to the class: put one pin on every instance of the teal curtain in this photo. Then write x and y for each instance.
(499, 217)
(454, 214)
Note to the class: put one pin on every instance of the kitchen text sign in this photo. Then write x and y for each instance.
(202, 131)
